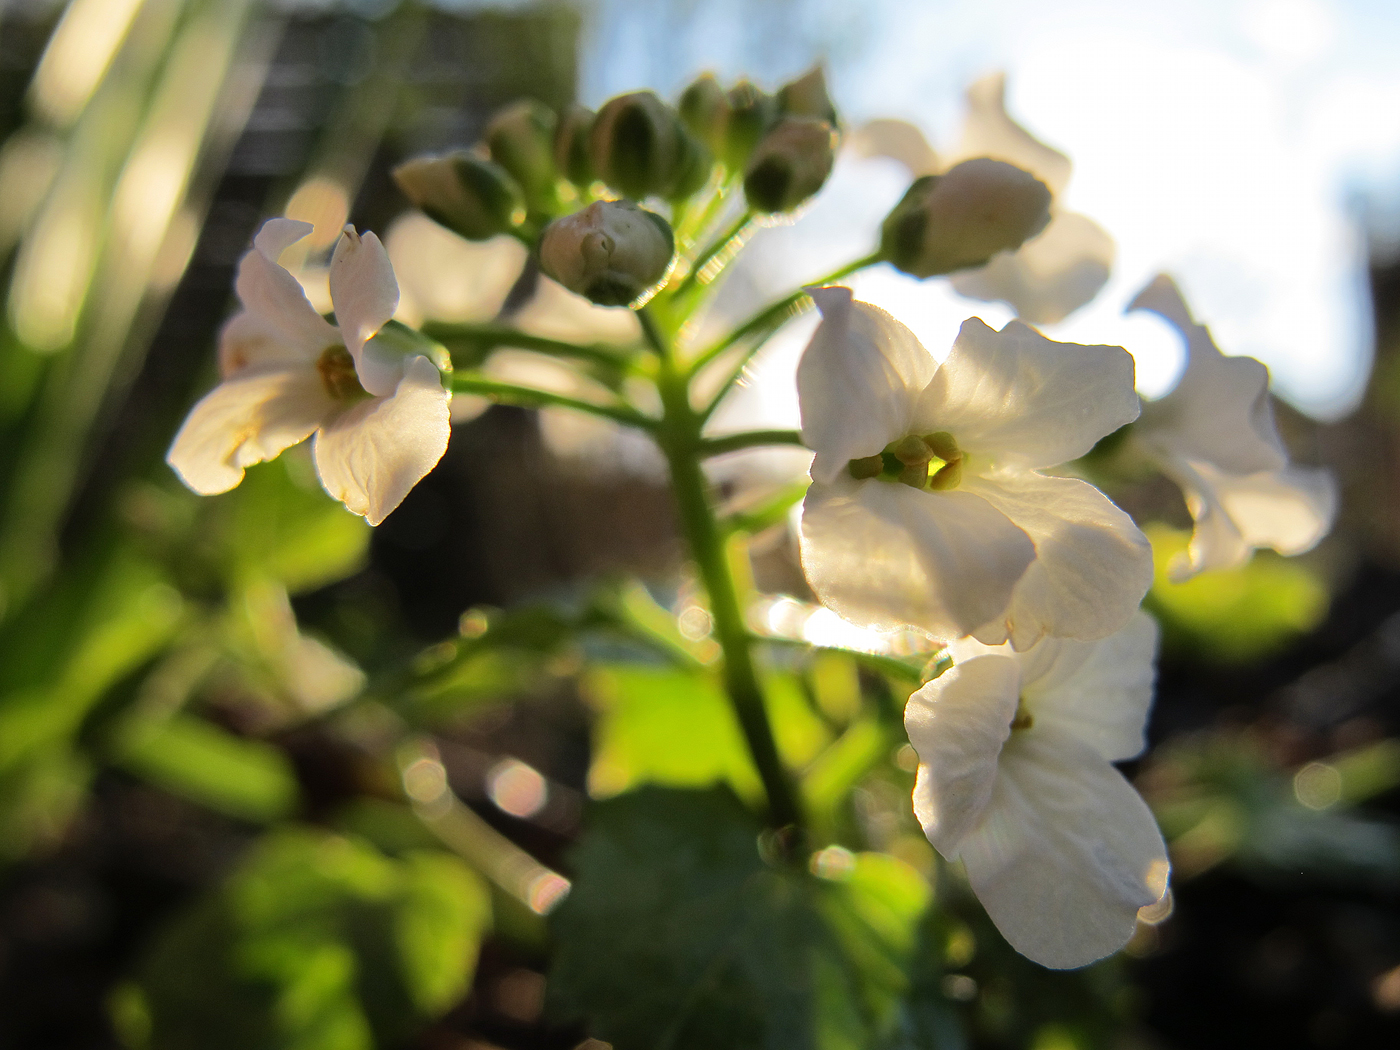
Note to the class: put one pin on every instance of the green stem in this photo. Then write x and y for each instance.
(727, 243)
(768, 513)
(718, 446)
(500, 335)
(528, 397)
(680, 441)
(773, 315)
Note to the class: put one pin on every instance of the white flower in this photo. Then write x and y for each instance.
(1015, 779)
(380, 416)
(982, 543)
(1053, 273)
(1214, 435)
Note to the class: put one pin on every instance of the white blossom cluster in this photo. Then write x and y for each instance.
(943, 497)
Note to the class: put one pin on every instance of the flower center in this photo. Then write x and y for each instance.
(337, 370)
(927, 461)
(1022, 719)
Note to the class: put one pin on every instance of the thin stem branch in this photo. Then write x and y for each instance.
(718, 446)
(726, 244)
(500, 335)
(529, 397)
(767, 513)
(773, 315)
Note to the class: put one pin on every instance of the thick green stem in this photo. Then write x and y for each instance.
(680, 440)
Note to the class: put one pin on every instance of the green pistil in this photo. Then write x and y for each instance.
(926, 462)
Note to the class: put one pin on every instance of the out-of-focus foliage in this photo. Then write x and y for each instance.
(316, 941)
(1233, 614)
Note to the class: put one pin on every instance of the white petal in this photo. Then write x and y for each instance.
(1066, 852)
(1023, 400)
(897, 139)
(858, 382)
(277, 324)
(444, 277)
(1219, 412)
(958, 723)
(1289, 510)
(1092, 564)
(245, 420)
(989, 132)
(884, 555)
(1050, 276)
(370, 456)
(1098, 692)
(365, 295)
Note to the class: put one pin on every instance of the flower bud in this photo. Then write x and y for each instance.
(752, 112)
(469, 195)
(639, 146)
(807, 97)
(790, 164)
(964, 217)
(571, 145)
(521, 140)
(704, 107)
(611, 252)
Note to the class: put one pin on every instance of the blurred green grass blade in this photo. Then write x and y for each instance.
(190, 757)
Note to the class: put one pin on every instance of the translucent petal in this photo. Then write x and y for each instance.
(278, 324)
(858, 382)
(958, 723)
(1219, 413)
(1050, 276)
(1098, 692)
(1016, 398)
(1092, 564)
(989, 132)
(1289, 510)
(245, 420)
(897, 139)
(1065, 853)
(365, 295)
(371, 455)
(885, 555)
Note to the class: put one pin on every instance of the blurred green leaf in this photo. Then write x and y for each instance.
(1233, 614)
(316, 941)
(666, 726)
(280, 524)
(197, 760)
(678, 934)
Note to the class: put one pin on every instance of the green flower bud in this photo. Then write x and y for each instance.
(807, 97)
(611, 252)
(790, 164)
(571, 145)
(639, 146)
(521, 140)
(752, 112)
(469, 195)
(704, 107)
(962, 218)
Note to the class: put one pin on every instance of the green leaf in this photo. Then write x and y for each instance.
(678, 935)
(317, 942)
(662, 725)
(197, 760)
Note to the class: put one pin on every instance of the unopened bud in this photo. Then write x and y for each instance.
(469, 195)
(571, 145)
(704, 107)
(521, 140)
(790, 164)
(807, 97)
(639, 146)
(611, 252)
(752, 112)
(964, 217)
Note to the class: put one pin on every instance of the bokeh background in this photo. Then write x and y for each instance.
(159, 709)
